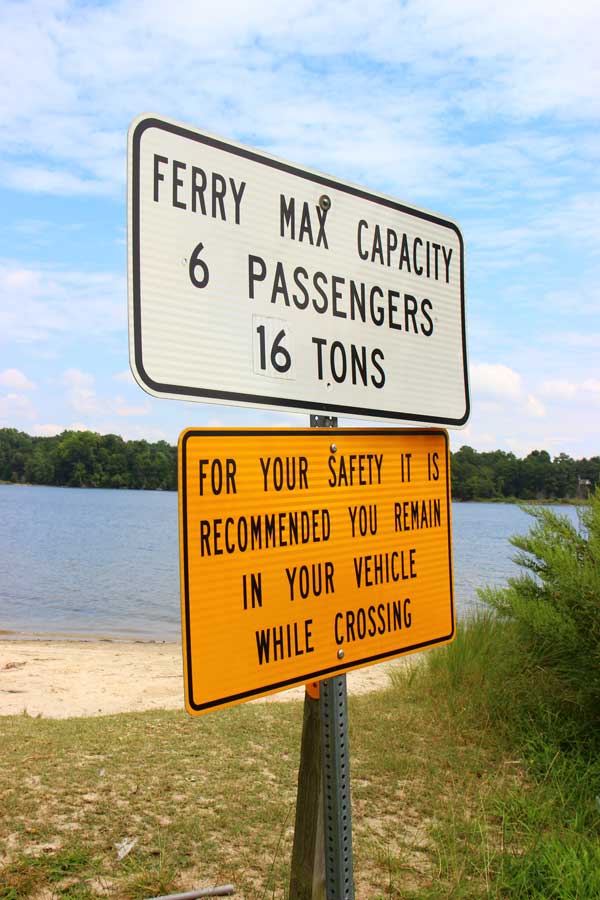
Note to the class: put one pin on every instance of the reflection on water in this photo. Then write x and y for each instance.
(76, 561)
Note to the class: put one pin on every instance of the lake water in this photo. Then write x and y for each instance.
(102, 562)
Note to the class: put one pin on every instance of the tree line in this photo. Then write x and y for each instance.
(87, 459)
(498, 475)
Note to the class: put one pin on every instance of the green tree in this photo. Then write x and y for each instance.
(15, 447)
(76, 458)
(464, 470)
(537, 468)
(564, 477)
(40, 468)
(555, 604)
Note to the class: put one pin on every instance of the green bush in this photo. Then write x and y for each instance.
(525, 673)
(555, 606)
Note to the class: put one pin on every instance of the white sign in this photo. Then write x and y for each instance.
(254, 282)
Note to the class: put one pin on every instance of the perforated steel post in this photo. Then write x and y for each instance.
(336, 789)
(337, 812)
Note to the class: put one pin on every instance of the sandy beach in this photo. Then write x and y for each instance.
(62, 678)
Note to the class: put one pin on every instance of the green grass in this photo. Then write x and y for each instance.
(549, 816)
(212, 801)
(456, 793)
(194, 793)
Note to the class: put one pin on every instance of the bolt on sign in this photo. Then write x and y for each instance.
(306, 553)
(255, 282)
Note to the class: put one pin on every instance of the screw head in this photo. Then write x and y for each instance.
(325, 202)
(333, 448)
(340, 654)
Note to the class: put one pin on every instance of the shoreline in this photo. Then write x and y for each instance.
(69, 677)
(511, 501)
(10, 635)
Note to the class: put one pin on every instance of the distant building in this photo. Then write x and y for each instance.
(584, 486)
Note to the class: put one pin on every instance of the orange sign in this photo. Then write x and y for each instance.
(306, 553)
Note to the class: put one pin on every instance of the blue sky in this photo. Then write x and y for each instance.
(485, 114)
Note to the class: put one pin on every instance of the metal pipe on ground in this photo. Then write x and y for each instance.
(223, 891)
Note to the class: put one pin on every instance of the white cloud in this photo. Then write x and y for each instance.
(499, 396)
(14, 378)
(562, 222)
(81, 393)
(522, 446)
(82, 396)
(39, 303)
(592, 385)
(48, 430)
(581, 340)
(370, 93)
(124, 376)
(473, 436)
(16, 407)
(39, 180)
(496, 380)
(121, 408)
(82, 426)
(20, 280)
(579, 393)
(559, 389)
(130, 432)
(75, 378)
(535, 407)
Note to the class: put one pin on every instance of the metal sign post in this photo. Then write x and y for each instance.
(337, 807)
(254, 282)
(336, 789)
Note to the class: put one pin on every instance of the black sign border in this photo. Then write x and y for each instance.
(210, 395)
(320, 673)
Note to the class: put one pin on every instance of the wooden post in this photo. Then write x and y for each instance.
(307, 879)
